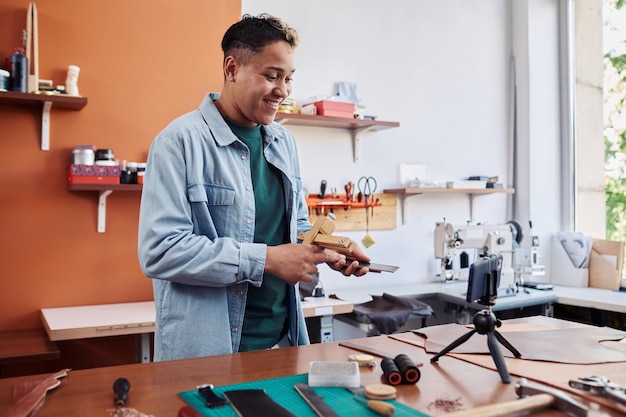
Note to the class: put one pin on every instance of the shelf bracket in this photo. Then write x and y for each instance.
(356, 139)
(45, 126)
(402, 207)
(102, 210)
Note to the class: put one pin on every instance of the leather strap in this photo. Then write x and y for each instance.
(316, 402)
(255, 403)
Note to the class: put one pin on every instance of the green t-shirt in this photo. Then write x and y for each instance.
(265, 320)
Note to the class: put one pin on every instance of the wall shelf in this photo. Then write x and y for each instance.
(404, 193)
(45, 102)
(356, 126)
(104, 190)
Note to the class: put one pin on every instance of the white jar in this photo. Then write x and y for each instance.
(4, 80)
(71, 83)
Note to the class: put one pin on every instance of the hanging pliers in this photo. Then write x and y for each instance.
(600, 385)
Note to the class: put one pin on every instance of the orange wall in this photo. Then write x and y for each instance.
(143, 62)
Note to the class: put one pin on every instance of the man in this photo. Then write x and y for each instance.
(221, 207)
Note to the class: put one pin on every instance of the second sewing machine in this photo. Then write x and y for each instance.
(459, 246)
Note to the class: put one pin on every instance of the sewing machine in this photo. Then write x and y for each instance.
(460, 246)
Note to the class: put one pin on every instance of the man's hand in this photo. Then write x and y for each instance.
(293, 262)
(353, 267)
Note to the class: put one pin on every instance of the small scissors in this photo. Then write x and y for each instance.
(367, 186)
(599, 385)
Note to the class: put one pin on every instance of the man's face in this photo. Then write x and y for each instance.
(263, 83)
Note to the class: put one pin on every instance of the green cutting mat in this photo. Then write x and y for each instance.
(282, 391)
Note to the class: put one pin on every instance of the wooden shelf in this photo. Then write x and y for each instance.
(356, 126)
(104, 187)
(45, 102)
(14, 98)
(404, 193)
(104, 190)
(417, 191)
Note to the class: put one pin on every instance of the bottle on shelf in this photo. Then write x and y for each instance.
(18, 63)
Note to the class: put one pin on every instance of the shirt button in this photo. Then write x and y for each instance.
(247, 188)
(244, 157)
(233, 329)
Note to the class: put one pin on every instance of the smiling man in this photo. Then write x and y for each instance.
(221, 207)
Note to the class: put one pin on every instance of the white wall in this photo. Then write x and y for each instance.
(443, 70)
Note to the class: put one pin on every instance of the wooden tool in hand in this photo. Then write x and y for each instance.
(321, 235)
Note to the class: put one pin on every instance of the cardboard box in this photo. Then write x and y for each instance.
(335, 108)
(605, 264)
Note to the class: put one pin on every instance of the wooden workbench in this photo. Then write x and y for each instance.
(155, 386)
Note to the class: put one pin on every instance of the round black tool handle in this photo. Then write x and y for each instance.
(120, 388)
(391, 371)
(409, 371)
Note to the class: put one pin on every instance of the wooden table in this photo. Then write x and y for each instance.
(81, 322)
(26, 346)
(137, 318)
(155, 386)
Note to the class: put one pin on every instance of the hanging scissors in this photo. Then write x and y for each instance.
(367, 187)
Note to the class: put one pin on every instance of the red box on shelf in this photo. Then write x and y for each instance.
(335, 108)
(86, 179)
(94, 170)
(93, 174)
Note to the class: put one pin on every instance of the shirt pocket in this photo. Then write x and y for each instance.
(212, 208)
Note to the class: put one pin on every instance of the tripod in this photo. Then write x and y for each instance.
(485, 322)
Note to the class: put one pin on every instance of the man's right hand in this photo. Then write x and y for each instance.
(293, 262)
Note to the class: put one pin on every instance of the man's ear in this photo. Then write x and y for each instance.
(230, 67)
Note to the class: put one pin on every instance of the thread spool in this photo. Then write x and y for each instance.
(409, 372)
(391, 371)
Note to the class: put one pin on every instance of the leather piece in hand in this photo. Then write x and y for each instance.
(575, 346)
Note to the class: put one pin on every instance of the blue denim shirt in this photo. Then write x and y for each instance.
(196, 228)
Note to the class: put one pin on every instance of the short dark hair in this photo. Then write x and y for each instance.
(253, 33)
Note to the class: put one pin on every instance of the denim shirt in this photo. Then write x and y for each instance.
(196, 229)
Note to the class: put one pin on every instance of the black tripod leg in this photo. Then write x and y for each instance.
(498, 359)
(507, 344)
(457, 342)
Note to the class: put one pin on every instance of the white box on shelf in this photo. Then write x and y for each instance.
(562, 270)
(412, 174)
(467, 184)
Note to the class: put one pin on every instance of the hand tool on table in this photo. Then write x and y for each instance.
(533, 396)
(211, 399)
(321, 235)
(602, 386)
(121, 386)
(367, 187)
(317, 403)
(380, 407)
